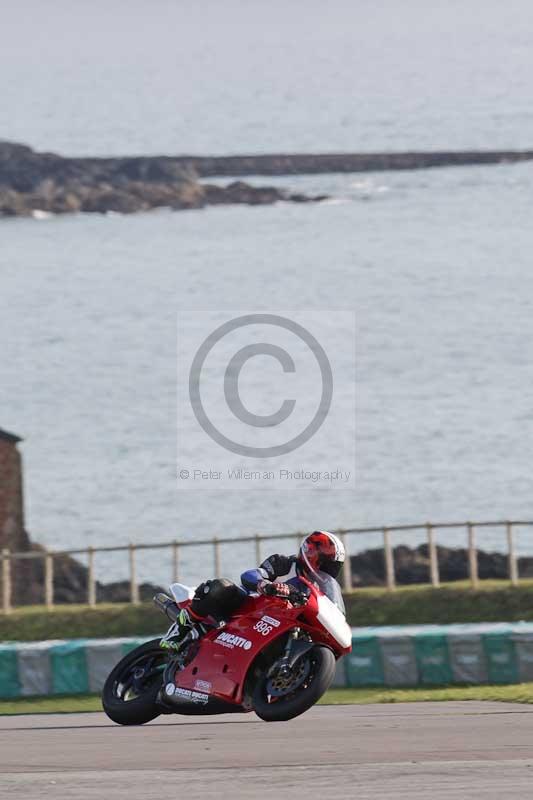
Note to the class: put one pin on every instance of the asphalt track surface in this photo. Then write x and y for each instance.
(455, 751)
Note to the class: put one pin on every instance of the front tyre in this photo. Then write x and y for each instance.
(312, 676)
(130, 692)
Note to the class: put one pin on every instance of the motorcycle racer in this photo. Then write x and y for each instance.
(275, 656)
(216, 600)
(321, 551)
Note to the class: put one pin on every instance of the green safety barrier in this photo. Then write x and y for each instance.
(418, 655)
(69, 669)
(77, 666)
(438, 655)
(364, 666)
(9, 680)
(433, 660)
(500, 651)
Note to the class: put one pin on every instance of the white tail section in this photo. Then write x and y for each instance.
(182, 593)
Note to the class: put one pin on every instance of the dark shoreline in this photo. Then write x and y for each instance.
(279, 164)
(32, 181)
(314, 164)
(411, 566)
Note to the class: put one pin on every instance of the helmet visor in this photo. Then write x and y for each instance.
(332, 568)
(329, 565)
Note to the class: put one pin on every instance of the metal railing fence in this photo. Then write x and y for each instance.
(175, 548)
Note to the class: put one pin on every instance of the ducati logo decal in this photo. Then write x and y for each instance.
(192, 697)
(231, 640)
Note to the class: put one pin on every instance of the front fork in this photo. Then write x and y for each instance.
(282, 665)
(295, 648)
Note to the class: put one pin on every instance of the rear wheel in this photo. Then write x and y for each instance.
(130, 692)
(283, 697)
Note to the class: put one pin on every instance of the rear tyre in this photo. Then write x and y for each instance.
(130, 692)
(321, 670)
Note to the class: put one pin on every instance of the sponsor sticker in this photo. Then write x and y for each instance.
(170, 689)
(271, 621)
(191, 696)
(231, 640)
(203, 686)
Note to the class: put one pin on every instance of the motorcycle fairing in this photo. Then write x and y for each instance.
(226, 654)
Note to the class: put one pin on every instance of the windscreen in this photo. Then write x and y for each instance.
(330, 588)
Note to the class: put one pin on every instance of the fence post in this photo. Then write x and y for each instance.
(175, 561)
(472, 556)
(347, 566)
(216, 553)
(91, 583)
(433, 556)
(513, 564)
(49, 579)
(389, 560)
(257, 549)
(134, 589)
(6, 581)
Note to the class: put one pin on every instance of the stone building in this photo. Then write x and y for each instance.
(12, 532)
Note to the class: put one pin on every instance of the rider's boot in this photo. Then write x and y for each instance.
(185, 630)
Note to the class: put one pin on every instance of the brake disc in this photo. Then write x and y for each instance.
(281, 684)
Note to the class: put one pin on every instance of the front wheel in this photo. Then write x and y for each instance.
(279, 698)
(129, 696)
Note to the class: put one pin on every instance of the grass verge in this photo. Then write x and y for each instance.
(519, 693)
(65, 704)
(35, 623)
(493, 601)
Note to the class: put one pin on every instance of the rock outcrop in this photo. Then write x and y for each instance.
(368, 569)
(70, 583)
(33, 182)
(411, 565)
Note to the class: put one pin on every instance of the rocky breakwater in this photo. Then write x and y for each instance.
(32, 182)
(317, 163)
(368, 569)
(411, 565)
(70, 582)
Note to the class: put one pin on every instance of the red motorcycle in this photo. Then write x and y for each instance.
(275, 656)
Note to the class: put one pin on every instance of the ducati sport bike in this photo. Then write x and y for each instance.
(275, 656)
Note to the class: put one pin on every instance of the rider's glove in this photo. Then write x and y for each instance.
(268, 588)
(277, 565)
